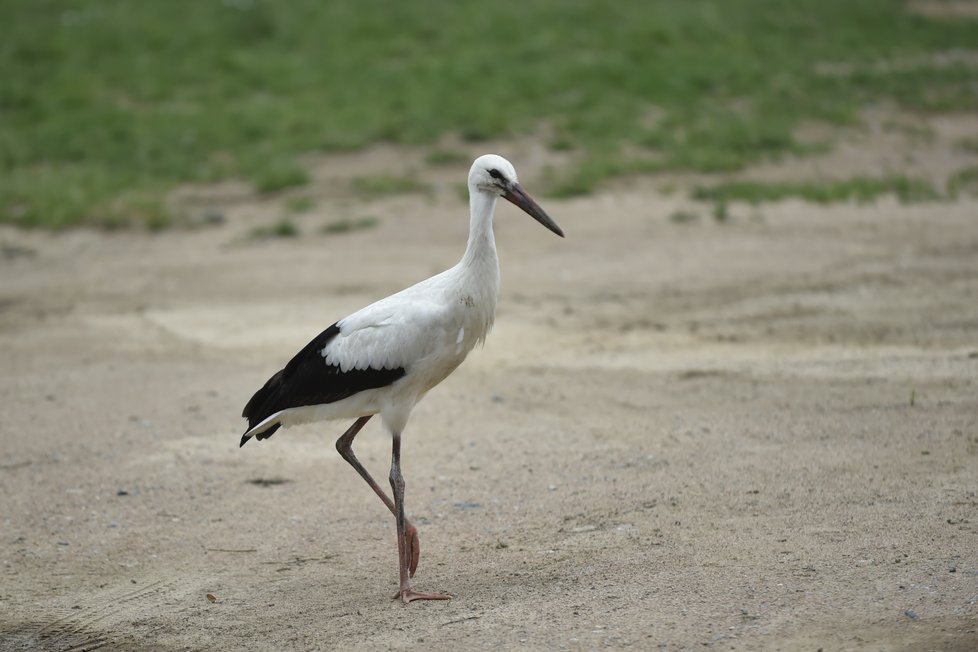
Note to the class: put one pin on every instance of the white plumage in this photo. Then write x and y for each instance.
(384, 358)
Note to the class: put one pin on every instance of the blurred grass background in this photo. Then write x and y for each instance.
(105, 105)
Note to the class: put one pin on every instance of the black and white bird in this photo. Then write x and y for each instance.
(384, 358)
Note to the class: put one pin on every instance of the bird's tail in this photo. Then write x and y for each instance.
(263, 430)
(263, 418)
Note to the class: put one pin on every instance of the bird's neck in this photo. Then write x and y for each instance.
(480, 252)
(477, 274)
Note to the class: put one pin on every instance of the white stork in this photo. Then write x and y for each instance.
(384, 358)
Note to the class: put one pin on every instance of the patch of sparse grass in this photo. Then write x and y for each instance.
(964, 180)
(684, 216)
(909, 130)
(133, 208)
(561, 144)
(446, 157)
(350, 226)
(282, 229)
(720, 212)
(584, 178)
(668, 188)
(968, 144)
(299, 204)
(212, 217)
(101, 98)
(575, 184)
(385, 185)
(861, 189)
(911, 191)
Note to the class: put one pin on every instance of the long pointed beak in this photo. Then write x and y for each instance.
(517, 196)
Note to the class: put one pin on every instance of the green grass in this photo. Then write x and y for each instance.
(860, 189)
(278, 176)
(964, 180)
(349, 226)
(384, 185)
(107, 104)
(281, 229)
(683, 217)
(446, 157)
(300, 204)
(720, 211)
(968, 144)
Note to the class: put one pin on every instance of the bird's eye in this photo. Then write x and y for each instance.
(496, 174)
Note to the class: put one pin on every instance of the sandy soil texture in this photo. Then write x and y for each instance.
(754, 434)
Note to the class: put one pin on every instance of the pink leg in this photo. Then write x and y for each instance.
(405, 593)
(345, 447)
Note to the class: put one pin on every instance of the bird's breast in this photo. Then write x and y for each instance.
(477, 315)
(468, 326)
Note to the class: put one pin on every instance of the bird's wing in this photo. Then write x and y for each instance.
(309, 379)
(393, 333)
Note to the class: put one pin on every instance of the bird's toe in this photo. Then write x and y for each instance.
(407, 595)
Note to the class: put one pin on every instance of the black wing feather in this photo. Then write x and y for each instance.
(308, 380)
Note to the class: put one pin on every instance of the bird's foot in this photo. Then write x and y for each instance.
(408, 594)
(413, 546)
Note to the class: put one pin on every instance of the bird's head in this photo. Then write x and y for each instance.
(495, 175)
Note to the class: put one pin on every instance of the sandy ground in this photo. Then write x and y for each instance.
(757, 434)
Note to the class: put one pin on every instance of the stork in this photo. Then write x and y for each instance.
(384, 358)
